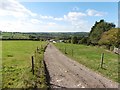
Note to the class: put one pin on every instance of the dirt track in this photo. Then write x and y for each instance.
(67, 73)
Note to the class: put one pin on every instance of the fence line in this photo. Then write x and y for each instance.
(38, 51)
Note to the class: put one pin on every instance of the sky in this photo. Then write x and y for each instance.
(23, 16)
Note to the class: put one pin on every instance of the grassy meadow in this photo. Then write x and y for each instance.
(16, 63)
(90, 56)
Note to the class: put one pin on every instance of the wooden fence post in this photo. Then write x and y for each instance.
(102, 58)
(32, 65)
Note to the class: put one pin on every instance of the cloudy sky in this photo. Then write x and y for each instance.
(32, 16)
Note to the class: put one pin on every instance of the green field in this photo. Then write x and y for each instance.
(16, 63)
(90, 56)
(10, 35)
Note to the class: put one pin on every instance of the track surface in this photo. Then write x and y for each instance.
(67, 73)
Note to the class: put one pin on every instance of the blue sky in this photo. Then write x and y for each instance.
(55, 16)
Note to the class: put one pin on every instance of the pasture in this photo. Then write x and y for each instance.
(16, 63)
(90, 56)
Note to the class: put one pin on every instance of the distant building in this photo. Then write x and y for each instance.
(54, 41)
(61, 40)
(51, 40)
(116, 50)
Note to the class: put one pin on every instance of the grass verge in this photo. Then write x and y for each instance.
(38, 79)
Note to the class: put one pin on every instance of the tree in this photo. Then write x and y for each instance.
(110, 38)
(83, 40)
(74, 40)
(98, 29)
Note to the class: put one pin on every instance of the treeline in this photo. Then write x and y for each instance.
(102, 34)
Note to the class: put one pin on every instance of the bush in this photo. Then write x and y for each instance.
(111, 48)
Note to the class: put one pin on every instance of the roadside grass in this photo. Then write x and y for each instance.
(16, 63)
(38, 80)
(90, 56)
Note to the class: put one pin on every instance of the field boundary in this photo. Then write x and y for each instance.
(38, 69)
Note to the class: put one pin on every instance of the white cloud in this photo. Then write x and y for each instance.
(40, 22)
(46, 17)
(36, 21)
(69, 16)
(74, 15)
(51, 24)
(10, 25)
(77, 20)
(51, 18)
(29, 27)
(92, 12)
(14, 8)
(58, 19)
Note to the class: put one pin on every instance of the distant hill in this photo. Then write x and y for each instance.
(42, 35)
